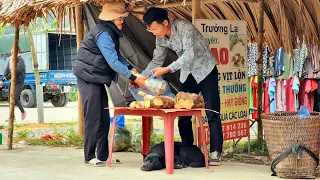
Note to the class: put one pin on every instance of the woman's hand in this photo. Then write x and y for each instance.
(134, 71)
(140, 82)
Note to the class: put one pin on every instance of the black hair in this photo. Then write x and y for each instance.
(155, 14)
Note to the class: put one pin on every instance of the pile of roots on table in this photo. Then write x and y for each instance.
(182, 100)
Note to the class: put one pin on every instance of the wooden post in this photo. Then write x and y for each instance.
(260, 67)
(13, 86)
(39, 88)
(196, 10)
(80, 34)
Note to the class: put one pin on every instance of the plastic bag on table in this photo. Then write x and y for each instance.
(157, 86)
(152, 84)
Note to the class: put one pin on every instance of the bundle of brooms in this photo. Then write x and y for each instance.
(182, 101)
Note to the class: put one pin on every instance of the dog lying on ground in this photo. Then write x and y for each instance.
(184, 156)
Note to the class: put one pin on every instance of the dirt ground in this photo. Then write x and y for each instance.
(28, 162)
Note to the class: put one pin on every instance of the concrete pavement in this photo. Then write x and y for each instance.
(30, 163)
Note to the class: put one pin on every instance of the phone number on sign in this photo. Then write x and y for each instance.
(234, 126)
(234, 134)
(237, 129)
(231, 130)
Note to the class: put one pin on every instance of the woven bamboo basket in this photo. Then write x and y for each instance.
(282, 130)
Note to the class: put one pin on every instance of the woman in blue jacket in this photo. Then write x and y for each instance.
(98, 63)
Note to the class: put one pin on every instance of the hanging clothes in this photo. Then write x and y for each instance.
(265, 60)
(315, 61)
(295, 88)
(252, 60)
(290, 95)
(266, 98)
(307, 71)
(279, 106)
(313, 88)
(270, 65)
(306, 93)
(317, 98)
(288, 66)
(284, 95)
(303, 54)
(296, 62)
(272, 91)
(315, 57)
(250, 92)
(279, 62)
(254, 84)
(303, 95)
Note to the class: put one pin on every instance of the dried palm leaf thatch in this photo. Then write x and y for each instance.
(284, 20)
(284, 32)
(210, 12)
(271, 34)
(226, 10)
(253, 32)
(313, 8)
(310, 30)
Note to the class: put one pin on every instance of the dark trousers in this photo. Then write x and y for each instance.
(209, 89)
(19, 89)
(97, 119)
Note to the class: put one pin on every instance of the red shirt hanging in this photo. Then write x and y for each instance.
(306, 95)
(290, 95)
(266, 99)
(254, 84)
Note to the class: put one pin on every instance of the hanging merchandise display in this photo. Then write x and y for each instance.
(290, 80)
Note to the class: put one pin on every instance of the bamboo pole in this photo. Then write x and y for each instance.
(260, 66)
(39, 88)
(34, 56)
(80, 34)
(196, 11)
(188, 3)
(13, 86)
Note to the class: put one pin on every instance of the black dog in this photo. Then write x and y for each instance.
(184, 155)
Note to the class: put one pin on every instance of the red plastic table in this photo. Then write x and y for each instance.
(168, 116)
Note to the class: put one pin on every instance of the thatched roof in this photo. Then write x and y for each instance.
(285, 20)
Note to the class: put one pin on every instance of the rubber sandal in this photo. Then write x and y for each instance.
(94, 163)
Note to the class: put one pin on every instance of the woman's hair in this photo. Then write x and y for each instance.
(155, 14)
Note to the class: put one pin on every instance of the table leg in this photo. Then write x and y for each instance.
(203, 143)
(146, 129)
(113, 129)
(169, 142)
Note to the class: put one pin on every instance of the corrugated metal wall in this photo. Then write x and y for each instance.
(50, 54)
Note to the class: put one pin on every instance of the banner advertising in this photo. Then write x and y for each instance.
(228, 42)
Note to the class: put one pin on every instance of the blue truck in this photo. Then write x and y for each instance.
(55, 54)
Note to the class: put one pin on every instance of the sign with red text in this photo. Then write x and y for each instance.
(231, 130)
(228, 42)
